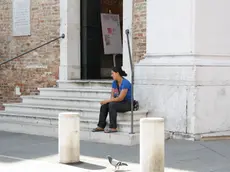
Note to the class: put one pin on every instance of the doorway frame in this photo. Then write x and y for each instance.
(70, 47)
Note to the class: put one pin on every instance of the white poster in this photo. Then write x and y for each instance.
(21, 17)
(111, 32)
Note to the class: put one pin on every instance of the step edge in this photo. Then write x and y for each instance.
(86, 81)
(83, 109)
(76, 90)
(91, 121)
(49, 107)
(60, 98)
(13, 114)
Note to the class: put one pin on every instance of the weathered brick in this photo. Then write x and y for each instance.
(139, 30)
(36, 69)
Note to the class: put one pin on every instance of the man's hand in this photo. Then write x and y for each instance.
(104, 102)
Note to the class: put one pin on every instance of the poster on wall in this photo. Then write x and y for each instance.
(111, 32)
(21, 17)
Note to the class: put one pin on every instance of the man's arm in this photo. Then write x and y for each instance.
(120, 97)
(112, 93)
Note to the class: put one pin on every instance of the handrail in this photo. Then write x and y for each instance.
(132, 79)
(62, 36)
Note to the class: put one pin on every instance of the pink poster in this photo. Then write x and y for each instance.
(111, 32)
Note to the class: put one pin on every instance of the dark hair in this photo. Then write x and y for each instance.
(119, 70)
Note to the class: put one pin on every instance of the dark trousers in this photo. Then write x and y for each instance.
(112, 108)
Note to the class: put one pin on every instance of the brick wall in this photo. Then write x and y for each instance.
(139, 29)
(37, 69)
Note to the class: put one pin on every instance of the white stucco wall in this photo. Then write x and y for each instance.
(184, 77)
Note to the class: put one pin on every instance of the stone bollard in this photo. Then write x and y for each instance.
(69, 137)
(152, 144)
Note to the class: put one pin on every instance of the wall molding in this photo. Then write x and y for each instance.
(184, 60)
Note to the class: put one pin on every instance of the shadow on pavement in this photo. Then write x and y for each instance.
(88, 166)
(122, 153)
(7, 160)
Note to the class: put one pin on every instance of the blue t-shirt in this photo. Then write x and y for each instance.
(125, 84)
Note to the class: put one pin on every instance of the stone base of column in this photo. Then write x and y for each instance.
(69, 72)
(187, 90)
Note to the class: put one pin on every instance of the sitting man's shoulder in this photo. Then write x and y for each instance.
(126, 81)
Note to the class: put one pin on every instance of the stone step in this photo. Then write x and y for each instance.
(86, 124)
(48, 126)
(85, 84)
(76, 92)
(118, 138)
(122, 126)
(62, 101)
(39, 114)
(53, 111)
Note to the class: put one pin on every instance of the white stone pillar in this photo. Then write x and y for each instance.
(127, 24)
(152, 144)
(187, 58)
(70, 51)
(69, 137)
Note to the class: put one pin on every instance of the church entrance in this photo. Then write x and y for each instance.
(95, 64)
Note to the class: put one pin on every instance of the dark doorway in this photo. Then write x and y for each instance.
(91, 40)
(94, 64)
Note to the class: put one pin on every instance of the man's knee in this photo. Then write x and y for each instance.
(112, 106)
(104, 106)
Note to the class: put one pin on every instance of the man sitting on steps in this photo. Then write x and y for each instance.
(120, 101)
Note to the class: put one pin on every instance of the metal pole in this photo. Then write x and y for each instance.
(114, 60)
(62, 36)
(132, 79)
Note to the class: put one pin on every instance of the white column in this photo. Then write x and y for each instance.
(212, 52)
(188, 57)
(70, 52)
(69, 137)
(152, 145)
(161, 78)
(127, 24)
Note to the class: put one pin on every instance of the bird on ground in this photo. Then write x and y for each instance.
(116, 163)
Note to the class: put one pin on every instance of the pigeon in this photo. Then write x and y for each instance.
(116, 163)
